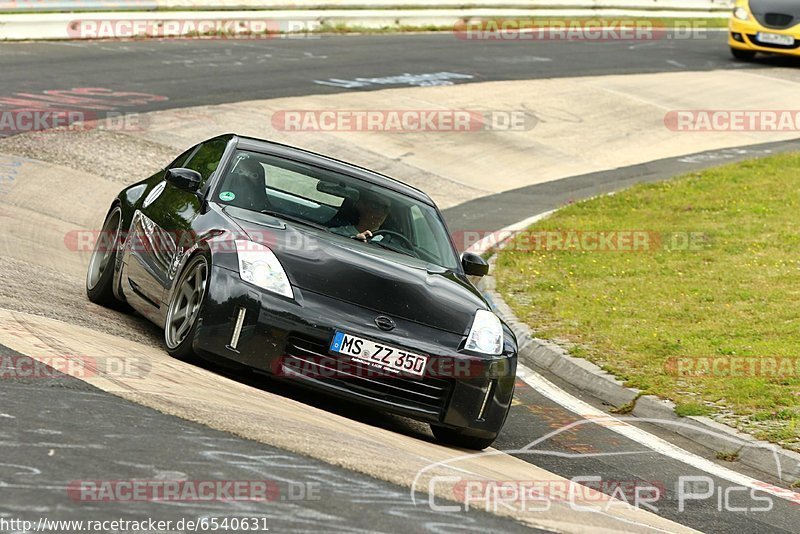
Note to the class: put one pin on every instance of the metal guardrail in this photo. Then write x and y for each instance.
(39, 6)
(67, 19)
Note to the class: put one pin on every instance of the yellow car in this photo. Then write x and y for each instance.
(770, 26)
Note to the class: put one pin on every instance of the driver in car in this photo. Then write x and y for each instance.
(371, 210)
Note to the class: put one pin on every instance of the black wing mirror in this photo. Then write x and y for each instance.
(185, 179)
(474, 265)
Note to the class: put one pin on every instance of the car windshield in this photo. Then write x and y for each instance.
(341, 204)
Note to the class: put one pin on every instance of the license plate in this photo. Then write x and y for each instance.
(378, 355)
(775, 38)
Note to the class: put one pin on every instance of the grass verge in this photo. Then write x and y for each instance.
(705, 313)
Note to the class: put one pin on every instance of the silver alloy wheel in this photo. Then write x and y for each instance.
(184, 307)
(104, 248)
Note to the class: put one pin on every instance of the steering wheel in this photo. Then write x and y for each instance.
(392, 233)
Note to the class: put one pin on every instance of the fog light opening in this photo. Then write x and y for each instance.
(486, 397)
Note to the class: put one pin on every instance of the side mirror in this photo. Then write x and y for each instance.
(185, 179)
(474, 265)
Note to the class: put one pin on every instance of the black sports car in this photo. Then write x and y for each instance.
(316, 271)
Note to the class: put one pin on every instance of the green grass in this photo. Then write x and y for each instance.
(736, 293)
(728, 456)
(688, 409)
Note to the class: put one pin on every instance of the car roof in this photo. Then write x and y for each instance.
(318, 160)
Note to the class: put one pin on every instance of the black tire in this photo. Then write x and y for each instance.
(743, 55)
(457, 438)
(179, 339)
(100, 273)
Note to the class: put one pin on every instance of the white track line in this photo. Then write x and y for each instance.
(661, 446)
(499, 238)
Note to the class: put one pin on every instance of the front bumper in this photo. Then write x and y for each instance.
(290, 339)
(742, 36)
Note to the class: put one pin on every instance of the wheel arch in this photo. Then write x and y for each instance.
(197, 249)
(185, 262)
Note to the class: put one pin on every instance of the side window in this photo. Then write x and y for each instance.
(286, 183)
(182, 158)
(206, 158)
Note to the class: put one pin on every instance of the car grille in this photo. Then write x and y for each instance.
(425, 395)
(756, 42)
(778, 20)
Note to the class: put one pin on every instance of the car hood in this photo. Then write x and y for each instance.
(368, 276)
(787, 7)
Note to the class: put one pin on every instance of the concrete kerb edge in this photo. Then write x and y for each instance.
(547, 356)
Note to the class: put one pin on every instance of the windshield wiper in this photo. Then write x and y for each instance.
(292, 218)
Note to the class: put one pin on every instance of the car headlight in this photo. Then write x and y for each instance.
(259, 266)
(740, 13)
(486, 334)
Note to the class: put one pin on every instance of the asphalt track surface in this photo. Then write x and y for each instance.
(73, 431)
(120, 440)
(199, 72)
